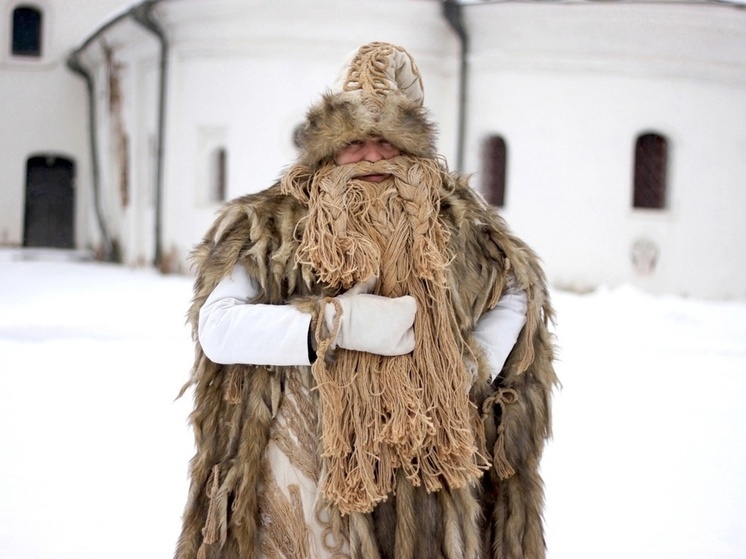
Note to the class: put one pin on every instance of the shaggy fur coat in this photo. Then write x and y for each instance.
(235, 405)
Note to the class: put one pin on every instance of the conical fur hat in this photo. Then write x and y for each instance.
(378, 93)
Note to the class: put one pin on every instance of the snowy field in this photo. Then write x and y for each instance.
(648, 458)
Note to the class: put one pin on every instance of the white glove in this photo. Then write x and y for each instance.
(372, 323)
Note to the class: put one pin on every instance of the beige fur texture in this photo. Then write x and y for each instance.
(500, 515)
(234, 405)
(341, 118)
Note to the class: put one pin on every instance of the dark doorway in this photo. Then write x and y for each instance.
(49, 202)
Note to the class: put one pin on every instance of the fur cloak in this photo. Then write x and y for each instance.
(235, 406)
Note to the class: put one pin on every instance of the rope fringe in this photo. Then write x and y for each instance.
(368, 74)
(210, 530)
(385, 414)
(235, 387)
(503, 397)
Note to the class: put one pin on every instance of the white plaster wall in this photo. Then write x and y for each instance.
(43, 107)
(248, 71)
(568, 85)
(570, 103)
(135, 54)
(137, 228)
(35, 122)
(144, 158)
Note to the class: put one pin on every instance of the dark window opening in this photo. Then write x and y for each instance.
(651, 158)
(219, 175)
(494, 158)
(26, 31)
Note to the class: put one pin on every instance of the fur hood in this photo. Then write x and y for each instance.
(378, 93)
(340, 118)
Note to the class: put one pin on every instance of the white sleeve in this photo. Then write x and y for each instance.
(233, 330)
(497, 330)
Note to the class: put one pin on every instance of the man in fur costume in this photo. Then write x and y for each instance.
(373, 364)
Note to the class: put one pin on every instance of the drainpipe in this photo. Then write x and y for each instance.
(453, 12)
(73, 62)
(143, 14)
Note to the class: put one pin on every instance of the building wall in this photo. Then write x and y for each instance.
(243, 75)
(124, 62)
(570, 87)
(43, 107)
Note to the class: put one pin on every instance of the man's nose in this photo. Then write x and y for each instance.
(372, 153)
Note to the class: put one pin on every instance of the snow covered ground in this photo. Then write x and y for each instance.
(648, 458)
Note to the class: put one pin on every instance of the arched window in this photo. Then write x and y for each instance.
(212, 165)
(218, 175)
(651, 158)
(27, 23)
(494, 163)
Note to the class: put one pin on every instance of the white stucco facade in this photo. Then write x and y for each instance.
(43, 106)
(569, 86)
(248, 86)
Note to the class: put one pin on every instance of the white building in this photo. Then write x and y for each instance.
(43, 116)
(561, 92)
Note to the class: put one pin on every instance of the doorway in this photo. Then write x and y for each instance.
(49, 219)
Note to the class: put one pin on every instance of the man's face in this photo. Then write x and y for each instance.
(371, 149)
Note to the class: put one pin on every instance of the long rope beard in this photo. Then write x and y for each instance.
(384, 414)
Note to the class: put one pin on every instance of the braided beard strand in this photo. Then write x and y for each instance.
(380, 414)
